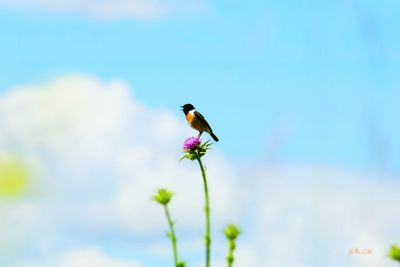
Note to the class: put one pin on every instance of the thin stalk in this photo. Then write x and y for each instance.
(230, 257)
(207, 236)
(171, 235)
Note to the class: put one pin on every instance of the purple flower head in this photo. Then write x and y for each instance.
(193, 149)
(191, 143)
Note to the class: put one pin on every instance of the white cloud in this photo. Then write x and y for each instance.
(91, 257)
(96, 154)
(85, 257)
(312, 216)
(101, 155)
(111, 9)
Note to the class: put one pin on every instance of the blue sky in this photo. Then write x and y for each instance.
(329, 67)
(303, 96)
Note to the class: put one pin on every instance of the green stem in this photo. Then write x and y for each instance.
(171, 235)
(207, 236)
(230, 257)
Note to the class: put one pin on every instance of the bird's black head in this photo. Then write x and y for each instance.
(187, 107)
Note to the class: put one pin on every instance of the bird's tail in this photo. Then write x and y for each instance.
(214, 137)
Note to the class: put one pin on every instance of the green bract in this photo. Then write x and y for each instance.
(394, 253)
(231, 232)
(197, 153)
(163, 196)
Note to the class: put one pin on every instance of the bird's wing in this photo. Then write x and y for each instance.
(198, 114)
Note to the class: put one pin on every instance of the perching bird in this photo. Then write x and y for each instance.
(197, 121)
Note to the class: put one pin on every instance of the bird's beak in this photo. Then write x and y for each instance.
(182, 107)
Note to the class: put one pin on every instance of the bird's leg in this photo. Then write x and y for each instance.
(200, 133)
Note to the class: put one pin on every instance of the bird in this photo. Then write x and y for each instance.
(197, 121)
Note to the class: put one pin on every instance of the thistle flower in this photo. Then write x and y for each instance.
(191, 143)
(394, 253)
(163, 196)
(193, 149)
(231, 233)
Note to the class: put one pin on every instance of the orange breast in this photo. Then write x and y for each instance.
(196, 123)
(190, 117)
